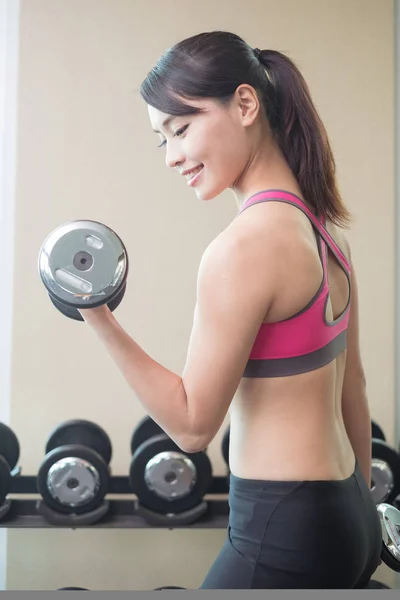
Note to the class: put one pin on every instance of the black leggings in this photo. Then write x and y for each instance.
(298, 535)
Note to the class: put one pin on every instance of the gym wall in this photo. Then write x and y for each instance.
(86, 150)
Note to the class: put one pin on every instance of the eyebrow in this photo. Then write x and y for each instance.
(165, 123)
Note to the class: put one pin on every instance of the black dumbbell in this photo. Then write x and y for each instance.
(385, 472)
(166, 479)
(377, 431)
(83, 264)
(225, 445)
(74, 476)
(9, 456)
(390, 525)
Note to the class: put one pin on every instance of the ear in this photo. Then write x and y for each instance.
(248, 104)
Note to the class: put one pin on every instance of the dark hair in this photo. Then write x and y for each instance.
(213, 65)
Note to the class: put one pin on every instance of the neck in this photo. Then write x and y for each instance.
(266, 169)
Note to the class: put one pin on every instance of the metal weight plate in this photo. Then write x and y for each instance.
(83, 264)
(145, 429)
(225, 445)
(5, 479)
(9, 445)
(385, 472)
(390, 525)
(377, 432)
(73, 479)
(73, 313)
(83, 433)
(381, 480)
(166, 479)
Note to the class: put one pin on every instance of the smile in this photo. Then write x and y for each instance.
(192, 176)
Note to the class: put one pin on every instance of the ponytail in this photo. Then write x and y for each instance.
(302, 136)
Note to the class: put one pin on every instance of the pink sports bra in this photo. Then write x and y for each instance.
(305, 341)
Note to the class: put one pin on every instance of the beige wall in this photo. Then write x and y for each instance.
(85, 150)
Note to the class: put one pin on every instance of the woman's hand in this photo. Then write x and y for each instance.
(97, 315)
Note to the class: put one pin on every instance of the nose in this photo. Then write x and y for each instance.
(174, 155)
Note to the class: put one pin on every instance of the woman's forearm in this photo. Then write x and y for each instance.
(160, 391)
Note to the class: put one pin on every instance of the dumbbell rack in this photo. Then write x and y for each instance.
(119, 513)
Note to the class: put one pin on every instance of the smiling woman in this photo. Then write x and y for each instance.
(275, 337)
(200, 76)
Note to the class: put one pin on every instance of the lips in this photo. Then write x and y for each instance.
(190, 173)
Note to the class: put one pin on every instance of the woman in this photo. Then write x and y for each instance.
(272, 321)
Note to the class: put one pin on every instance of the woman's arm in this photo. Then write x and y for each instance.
(233, 296)
(355, 407)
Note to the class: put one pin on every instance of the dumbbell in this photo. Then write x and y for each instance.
(377, 431)
(166, 480)
(389, 517)
(385, 472)
(83, 264)
(225, 445)
(385, 475)
(74, 475)
(9, 456)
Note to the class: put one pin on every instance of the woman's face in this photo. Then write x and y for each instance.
(209, 148)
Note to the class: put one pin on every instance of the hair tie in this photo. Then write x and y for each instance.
(257, 53)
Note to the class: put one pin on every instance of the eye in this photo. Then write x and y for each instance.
(177, 133)
(181, 131)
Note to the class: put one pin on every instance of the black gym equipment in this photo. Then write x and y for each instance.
(9, 456)
(225, 445)
(390, 524)
(169, 483)
(144, 430)
(83, 264)
(74, 476)
(385, 472)
(377, 432)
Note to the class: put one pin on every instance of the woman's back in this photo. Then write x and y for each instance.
(292, 427)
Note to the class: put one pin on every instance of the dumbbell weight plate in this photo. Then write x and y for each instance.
(9, 445)
(225, 445)
(376, 432)
(385, 472)
(83, 264)
(73, 313)
(390, 525)
(166, 479)
(81, 432)
(5, 479)
(145, 429)
(381, 480)
(73, 479)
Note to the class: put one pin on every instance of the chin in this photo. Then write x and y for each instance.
(206, 195)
